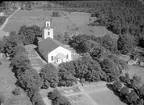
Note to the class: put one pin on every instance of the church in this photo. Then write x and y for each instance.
(52, 50)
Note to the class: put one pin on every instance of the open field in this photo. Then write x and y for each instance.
(7, 85)
(66, 22)
(106, 98)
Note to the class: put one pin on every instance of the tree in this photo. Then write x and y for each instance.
(136, 82)
(16, 91)
(108, 43)
(10, 42)
(121, 65)
(117, 85)
(65, 39)
(110, 69)
(30, 80)
(36, 29)
(96, 52)
(141, 92)
(20, 62)
(124, 91)
(27, 34)
(18, 50)
(36, 99)
(132, 97)
(2, 99)
(66, 74)
(126, 79)
(89, 69)
(1, 46)
(140, 102)
(49, 74)
(57, 98)
(126, 43)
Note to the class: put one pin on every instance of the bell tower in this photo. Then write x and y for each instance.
(48, 31)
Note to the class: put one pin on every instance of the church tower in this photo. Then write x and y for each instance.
(48, 31)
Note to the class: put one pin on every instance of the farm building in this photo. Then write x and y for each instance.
(52, 50)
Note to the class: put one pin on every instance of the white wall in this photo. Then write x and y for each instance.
(46, 30)
(62, 50)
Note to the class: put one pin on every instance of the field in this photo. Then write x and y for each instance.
(66, 22)
(7, 85)
(106, 98)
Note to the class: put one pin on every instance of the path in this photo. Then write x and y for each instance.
(2, 33)
(1, 28)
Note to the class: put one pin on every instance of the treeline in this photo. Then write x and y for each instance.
(129, 90)
(99, 61)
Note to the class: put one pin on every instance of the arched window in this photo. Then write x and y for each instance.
(51, 58)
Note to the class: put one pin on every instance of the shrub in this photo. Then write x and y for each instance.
(124, 92)
(117, 85)
(57, 98)
(16, 91)
(55, 14)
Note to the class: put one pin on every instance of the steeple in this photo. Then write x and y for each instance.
(48, 31)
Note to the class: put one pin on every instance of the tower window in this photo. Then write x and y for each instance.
(67, 56)
(48, 33)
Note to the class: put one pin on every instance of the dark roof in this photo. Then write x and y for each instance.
(47, 45)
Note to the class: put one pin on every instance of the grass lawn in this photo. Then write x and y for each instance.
(66, 22)
(136, 70)
(7, 85)
(106, 98)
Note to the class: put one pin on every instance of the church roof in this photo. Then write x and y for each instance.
(48, 45)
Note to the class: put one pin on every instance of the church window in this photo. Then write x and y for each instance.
(67, 56)
(48, 33)
(52, 58)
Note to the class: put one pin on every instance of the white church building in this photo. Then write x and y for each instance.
(52, 50)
